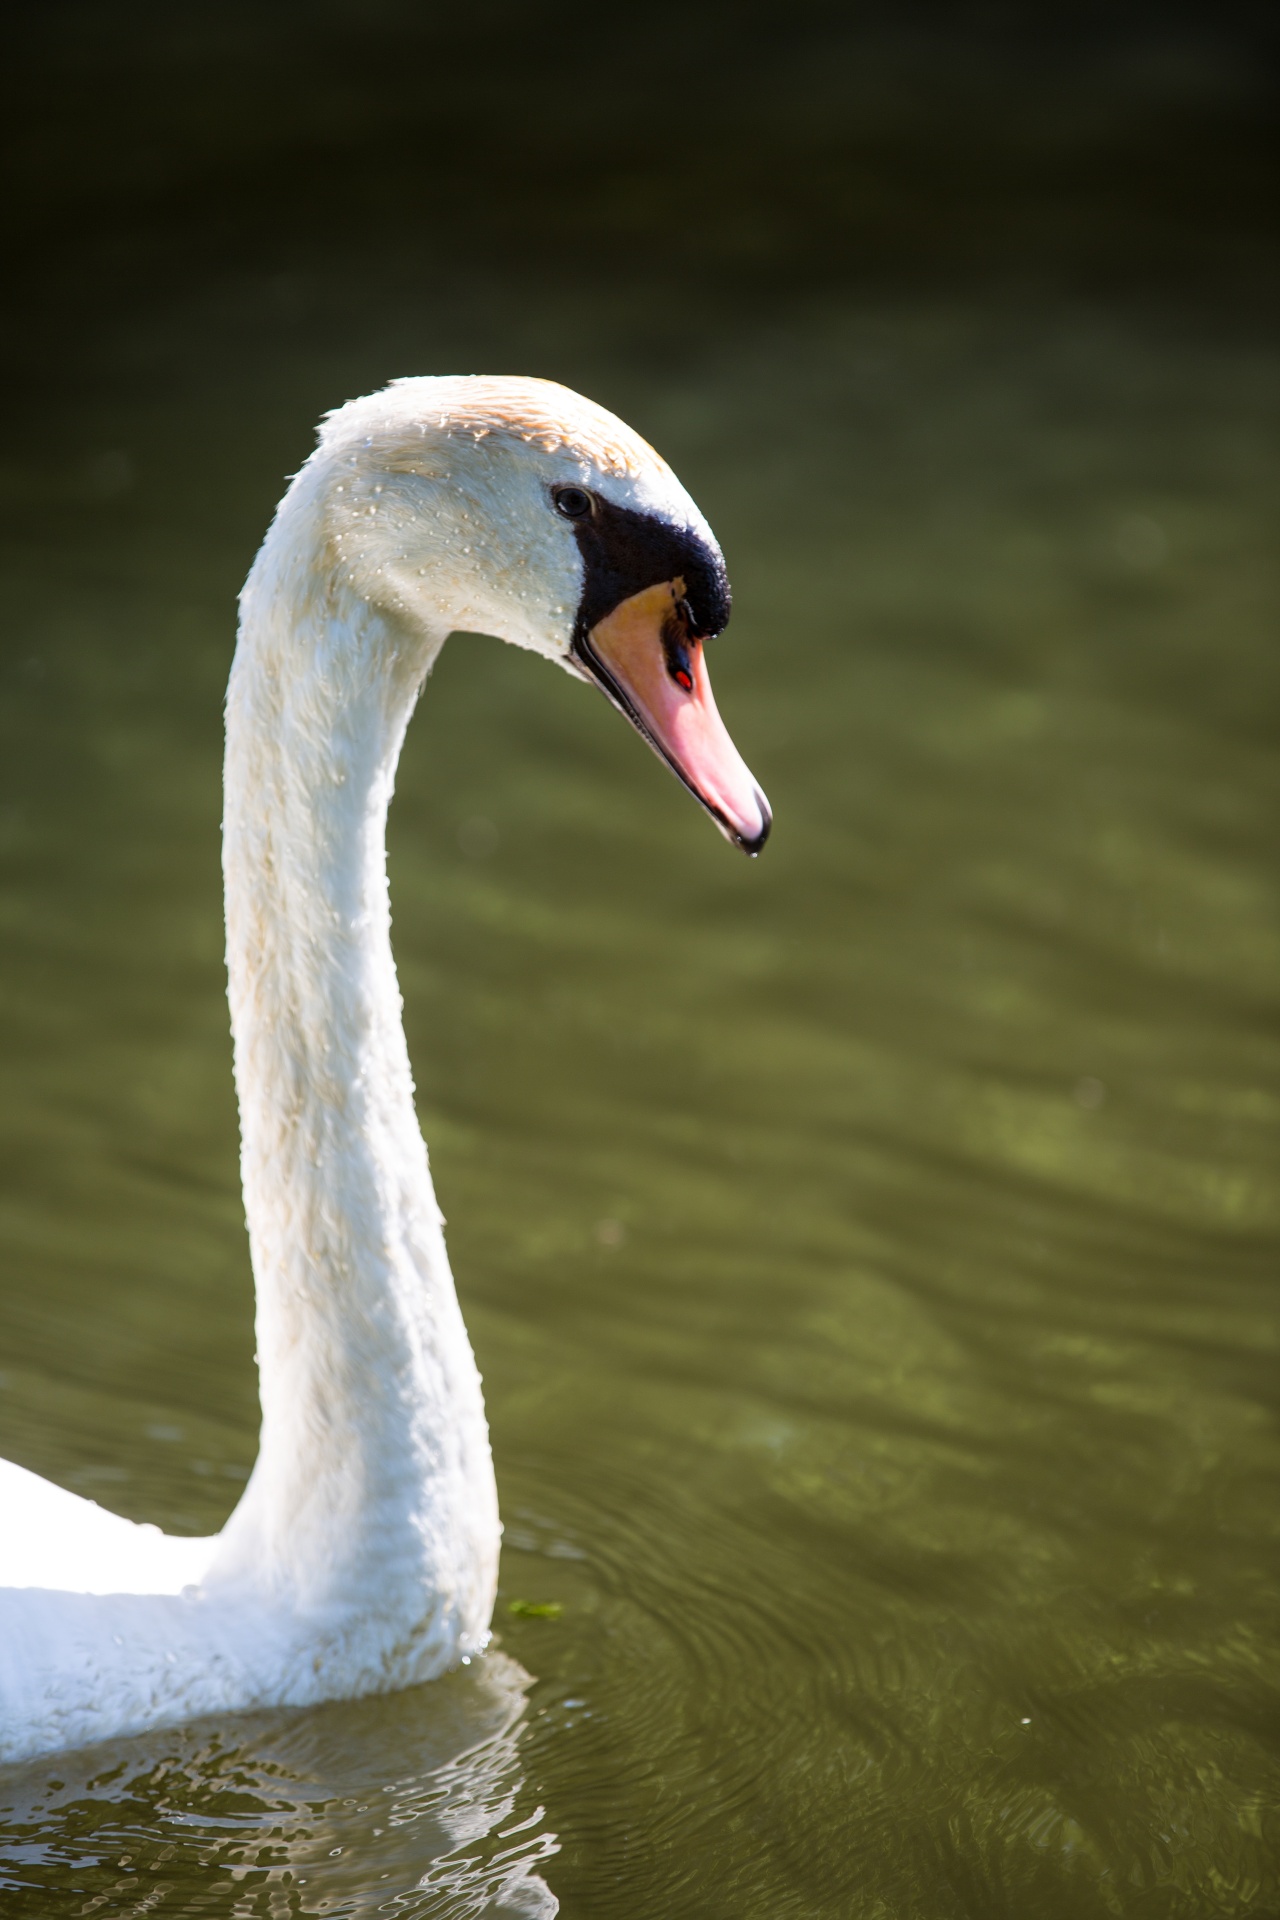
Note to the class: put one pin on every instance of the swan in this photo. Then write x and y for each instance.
(363, 1554)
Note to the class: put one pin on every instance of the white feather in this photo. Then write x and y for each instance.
(363, 1555)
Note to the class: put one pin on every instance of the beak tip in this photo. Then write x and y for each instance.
(751, 844)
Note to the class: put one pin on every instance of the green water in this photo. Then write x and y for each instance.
(869, 1251)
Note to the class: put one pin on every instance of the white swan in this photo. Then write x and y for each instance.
(363, 1555)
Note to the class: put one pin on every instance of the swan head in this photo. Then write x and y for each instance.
(518, 508)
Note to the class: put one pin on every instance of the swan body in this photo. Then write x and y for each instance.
(363, 1554)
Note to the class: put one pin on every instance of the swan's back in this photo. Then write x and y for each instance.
(55, 1540)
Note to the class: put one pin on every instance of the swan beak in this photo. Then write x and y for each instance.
(653, 669)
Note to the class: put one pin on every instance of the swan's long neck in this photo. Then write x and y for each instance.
(374, 1485)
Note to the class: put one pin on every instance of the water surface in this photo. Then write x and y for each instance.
(869, 1251)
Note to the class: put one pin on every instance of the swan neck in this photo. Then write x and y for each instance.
(374, 1469)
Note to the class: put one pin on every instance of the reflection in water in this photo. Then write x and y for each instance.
(409, 1805)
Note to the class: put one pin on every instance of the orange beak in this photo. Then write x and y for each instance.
(653, 670)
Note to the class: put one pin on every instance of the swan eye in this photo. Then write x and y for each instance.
(573, 502)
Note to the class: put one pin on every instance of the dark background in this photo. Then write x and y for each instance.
(700, 150)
